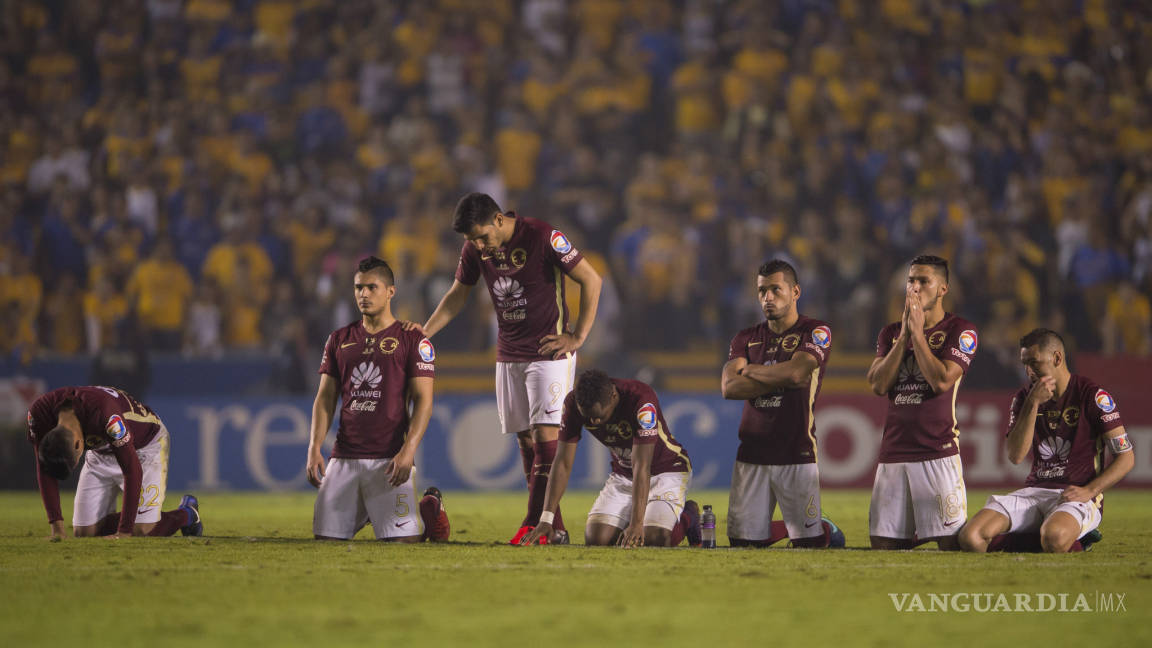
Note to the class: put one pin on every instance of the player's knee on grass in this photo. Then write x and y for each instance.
(1059, 532)
(143, 528)
(599, 534)
(404, 539)
(85, 531)
(655, 536)
(879, 542)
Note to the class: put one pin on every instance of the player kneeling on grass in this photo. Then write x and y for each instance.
(375, 367)
(128, 451)
(642, 503)
(1066, 420)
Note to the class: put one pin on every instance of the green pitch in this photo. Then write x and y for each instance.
(258, 580)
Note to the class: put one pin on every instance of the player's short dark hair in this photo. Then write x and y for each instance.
(473, 209)
(56, 453)
(940, 263)
(779, 265)
(1046, 339)
(593, 387)
(378, 265)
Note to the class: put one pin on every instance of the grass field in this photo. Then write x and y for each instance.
(257, 579)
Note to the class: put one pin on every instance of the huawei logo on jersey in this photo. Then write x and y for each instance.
(909, 370)
(507, 288)
(366, 373)
(1054, 448)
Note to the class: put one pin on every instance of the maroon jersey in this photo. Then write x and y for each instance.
(920, 424)
(778, 428)
(373, 372)
(1068, 439)
(526, 283)
(637, 419)
(112, 422)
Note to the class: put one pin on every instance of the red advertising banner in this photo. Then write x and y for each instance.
(848, 428)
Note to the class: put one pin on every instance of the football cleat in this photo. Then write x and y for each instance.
(433, 515)
(525, 530)
(690, 519)
(836, 538)
(191, 505)
(1091, 538)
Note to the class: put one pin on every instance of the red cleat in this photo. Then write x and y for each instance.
(525, 530)
(432, 514)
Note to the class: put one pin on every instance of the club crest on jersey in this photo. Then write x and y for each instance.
(519, 257)
(427, 352)
(1071, 416)
(1104, 401)
(936, 340)
(790, 342)
(389, 344)
(117, 430)
(646, 416)
(560, 242)
(822, 336)
(968, 341)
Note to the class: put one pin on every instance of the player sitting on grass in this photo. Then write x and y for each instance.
(1066, 420)
(642, 503)
(128, 451)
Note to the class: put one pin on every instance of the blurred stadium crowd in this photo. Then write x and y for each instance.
(202, 175)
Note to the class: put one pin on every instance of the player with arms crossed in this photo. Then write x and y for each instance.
(127, 452)
(376, 368)
(523, 261)
(919, 490)
(777, 367)
(642, 503)
(1066, 420)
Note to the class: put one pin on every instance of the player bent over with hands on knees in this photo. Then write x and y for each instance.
(919, 492)
(127, 452)
(776, 368)
(375, 368)
(523, 261)
(1066, 421)
(642, 503)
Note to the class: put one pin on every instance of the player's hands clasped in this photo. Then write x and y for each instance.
(315, 467)
(400, 469)
(633, 536)
(914, 320)
(556, 345)
(542, 530)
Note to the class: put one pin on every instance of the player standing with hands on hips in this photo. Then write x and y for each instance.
(523, 260)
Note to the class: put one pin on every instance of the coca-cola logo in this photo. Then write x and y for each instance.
(908, 399)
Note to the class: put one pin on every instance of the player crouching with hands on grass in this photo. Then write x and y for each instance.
(1066, 421)
(642, 503)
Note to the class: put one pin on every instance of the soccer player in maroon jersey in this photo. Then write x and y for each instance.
(375, 368)
(777, 367)
(127, 451)
(642, 503)
(523, 261)
(919, 490)
(1065, 420)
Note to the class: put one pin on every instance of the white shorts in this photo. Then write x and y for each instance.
(665, 501)
(355, 492)
(1028, 508)
(922, 498)
(101, 485)
(532, 393)
(755, 491)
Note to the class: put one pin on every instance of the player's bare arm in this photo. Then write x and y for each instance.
(420, 392)
(734, 385)
(939, 374)
(590, 282)
(57, 533)
(1121, 465)
(1020, 435)
(642, 454)
(133, 472)
(796, 372)
(323, 407)
(557, 484)
(884, 371)
(450, 306)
